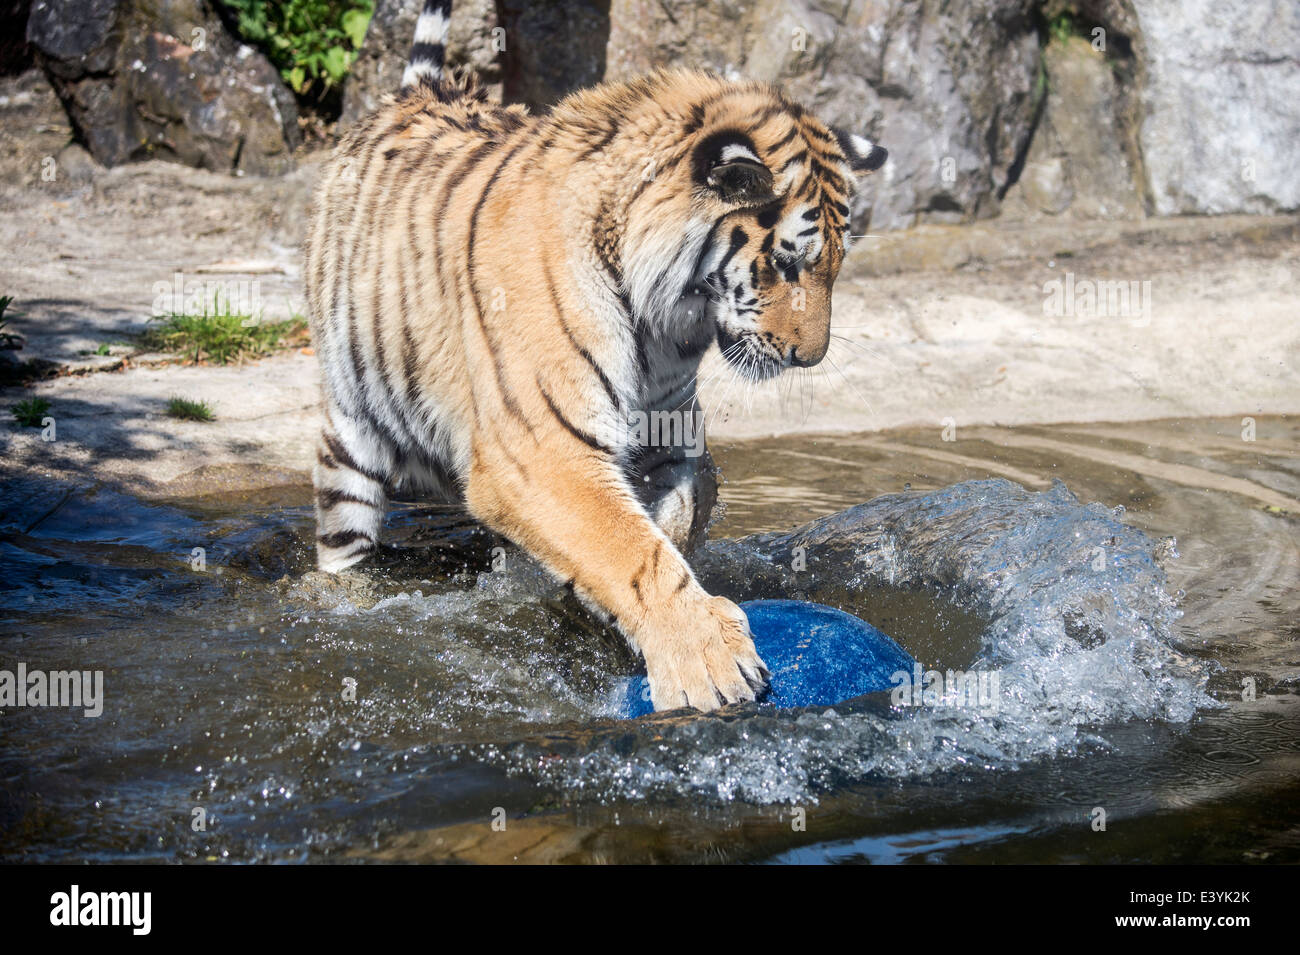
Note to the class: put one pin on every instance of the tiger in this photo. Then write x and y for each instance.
(495, 295)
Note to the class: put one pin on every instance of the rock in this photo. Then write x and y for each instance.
(163, 79)
(946, 87)
(1078, 161)
(75, 164)
(552, 48)
(33, 128)
(524, 51)
(1221, 99)
(1045, 184)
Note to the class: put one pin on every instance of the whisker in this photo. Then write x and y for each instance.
(870, 352)
(724, 365)
(867, 404)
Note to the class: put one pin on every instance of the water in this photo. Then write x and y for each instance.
(397, 715)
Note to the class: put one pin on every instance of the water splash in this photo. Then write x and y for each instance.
(1078, 632)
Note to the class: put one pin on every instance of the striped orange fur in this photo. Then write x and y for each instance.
(495, 295)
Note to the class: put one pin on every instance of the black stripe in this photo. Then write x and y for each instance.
(571, 427)
(427, 53)
(706, 247)
(519, 465)
(738, 240)
(642, 358)
(825, 136)
(441, 264)
(375, 214)
(454, 179)
(828, 175)
(590, 359)
(607, 237)
(606, 138)
(768, 112)
(344, 538)
(507, 397)
(331, 497)
(797, 157)
(769, 216)
(784, 140)
(696, 119)
(341, 455)
(353, 404)
(626, 303)
(604, 379)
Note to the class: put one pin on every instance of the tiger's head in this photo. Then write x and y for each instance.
(778, 241)
(767, 271)
(761, 190)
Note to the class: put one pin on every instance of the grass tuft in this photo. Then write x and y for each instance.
(31, 412)
(185, 409)
(1061, 27)
(220, 335)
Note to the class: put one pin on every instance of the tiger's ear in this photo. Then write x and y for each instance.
(864, 156)
(744, 181)
(729, 166)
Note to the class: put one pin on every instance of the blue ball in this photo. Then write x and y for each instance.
(817, 656)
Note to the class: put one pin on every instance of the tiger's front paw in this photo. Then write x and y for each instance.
(705, 660)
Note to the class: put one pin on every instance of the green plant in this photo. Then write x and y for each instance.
(31, 412)
(1061, 27)
(187, 410)
(220, 335)
(311, 42)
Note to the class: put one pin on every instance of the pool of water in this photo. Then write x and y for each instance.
(1133, 588)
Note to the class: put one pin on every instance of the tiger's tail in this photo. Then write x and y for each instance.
(429, 48)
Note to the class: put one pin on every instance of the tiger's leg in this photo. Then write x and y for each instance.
(576, 513)
(350, 497)
(680, 494)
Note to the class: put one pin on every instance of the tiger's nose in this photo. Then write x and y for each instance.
(805, 355)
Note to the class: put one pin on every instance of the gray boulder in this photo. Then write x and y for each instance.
(1079, 162)
(1193, 108)
(163, 79)
(946, 87)
(1221, 103)
(524, 51)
